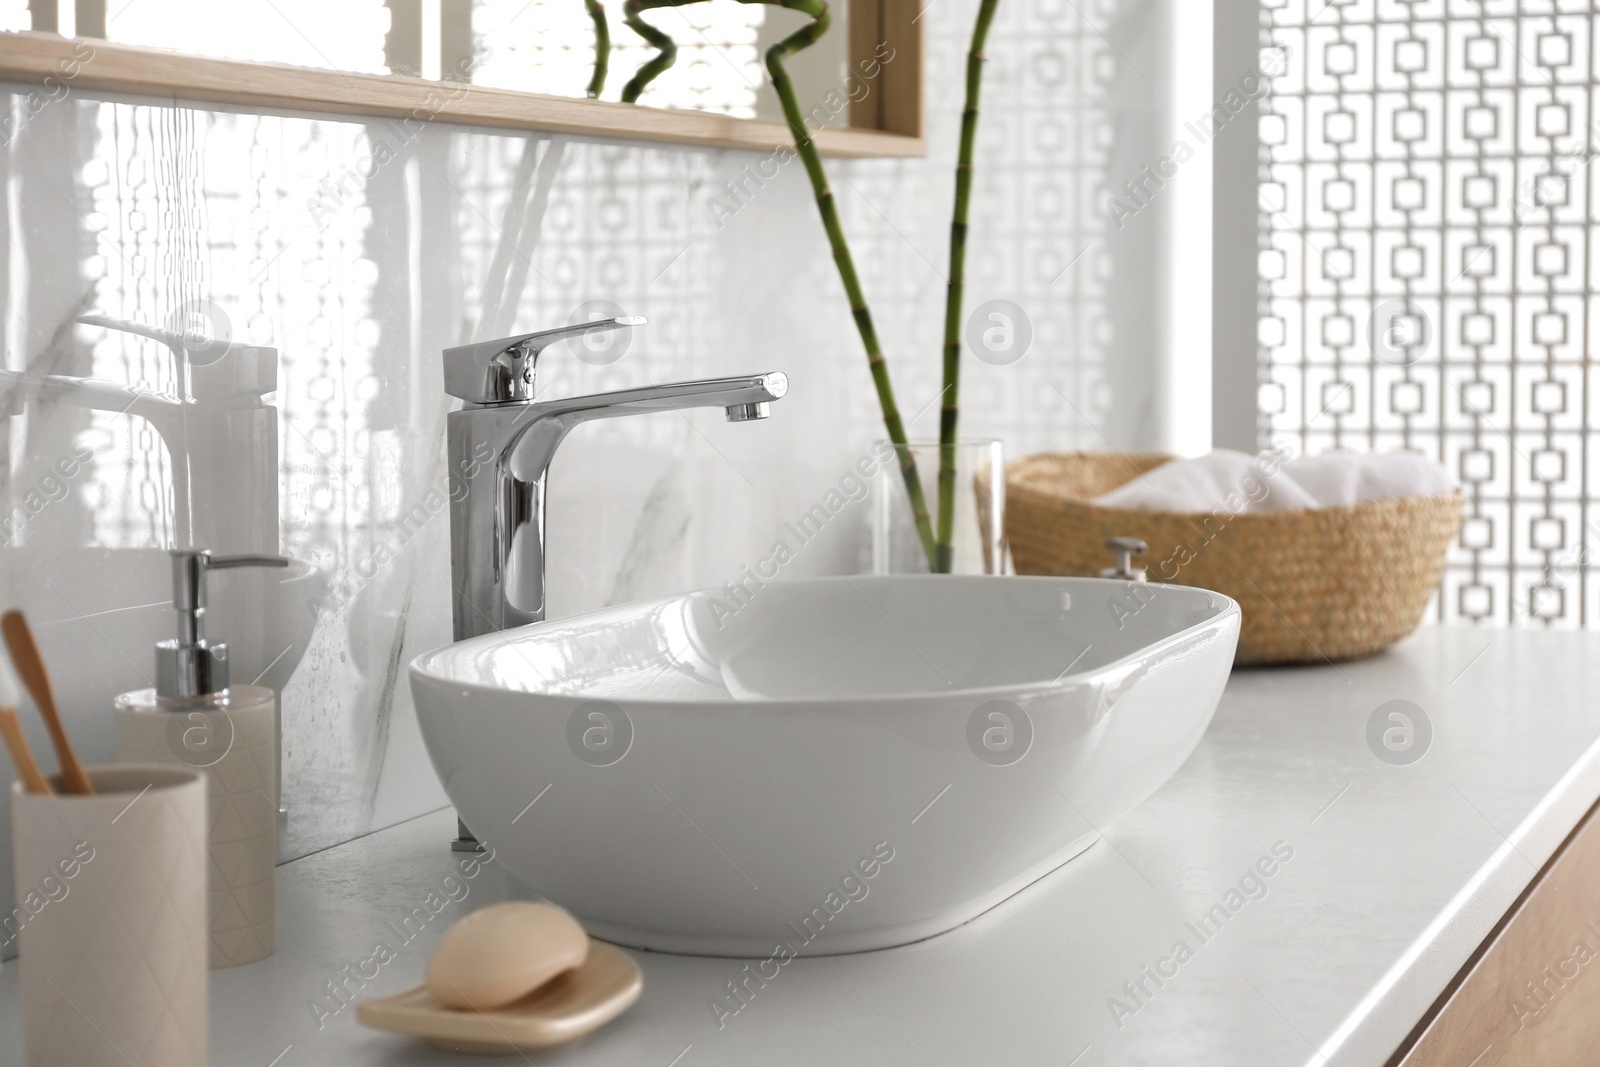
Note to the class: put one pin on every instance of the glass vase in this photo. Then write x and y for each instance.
(978, 536)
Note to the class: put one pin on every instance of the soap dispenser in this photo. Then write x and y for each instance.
(194, 717)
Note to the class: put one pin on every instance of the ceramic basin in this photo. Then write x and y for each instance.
(832, 764)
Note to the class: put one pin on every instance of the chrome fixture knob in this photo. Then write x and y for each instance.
(502, 371)
(1126, 548)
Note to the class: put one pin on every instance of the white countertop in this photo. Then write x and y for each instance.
(1396, 874)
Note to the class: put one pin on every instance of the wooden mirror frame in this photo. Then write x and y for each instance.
(886, 122)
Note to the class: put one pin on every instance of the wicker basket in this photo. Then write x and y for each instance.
(1314, 585)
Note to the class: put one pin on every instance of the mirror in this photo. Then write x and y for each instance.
(862, 74)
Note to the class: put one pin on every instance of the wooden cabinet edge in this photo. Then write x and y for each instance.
(1527, 995)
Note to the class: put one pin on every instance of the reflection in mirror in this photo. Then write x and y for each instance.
(547, 47)
(542, 46)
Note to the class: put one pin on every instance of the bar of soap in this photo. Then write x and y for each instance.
(502, 953)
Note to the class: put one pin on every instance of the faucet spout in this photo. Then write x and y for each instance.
(90, 393)
(730, 393)
(500, 457)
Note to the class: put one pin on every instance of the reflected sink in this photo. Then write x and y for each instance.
(117, 603)
(99, 612)
(835, 764)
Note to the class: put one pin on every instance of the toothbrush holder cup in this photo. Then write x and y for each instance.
(111, 914)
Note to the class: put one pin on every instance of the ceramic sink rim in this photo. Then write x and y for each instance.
(426, 665)
(741, 767)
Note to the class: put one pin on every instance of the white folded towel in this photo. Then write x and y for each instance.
(1236, 481)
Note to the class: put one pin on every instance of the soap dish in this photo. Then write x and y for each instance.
(563, 1009)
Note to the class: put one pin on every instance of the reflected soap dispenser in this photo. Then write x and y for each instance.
(195, 718)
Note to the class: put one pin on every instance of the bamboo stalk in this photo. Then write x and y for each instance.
(602, 47)
(806, 149)
(950, 398)
(666, 47)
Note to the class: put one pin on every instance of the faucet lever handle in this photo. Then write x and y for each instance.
(170, 338)
(218, 366)
(495, 372)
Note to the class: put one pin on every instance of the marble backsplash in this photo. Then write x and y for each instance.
(281, 230)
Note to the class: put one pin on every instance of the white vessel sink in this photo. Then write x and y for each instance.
(688, 780)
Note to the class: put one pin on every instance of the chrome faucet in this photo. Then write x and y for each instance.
(501, 443)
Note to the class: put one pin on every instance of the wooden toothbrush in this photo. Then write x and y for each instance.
(30, 666)
(33, 780)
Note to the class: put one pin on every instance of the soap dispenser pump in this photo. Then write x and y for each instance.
(194, 717)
